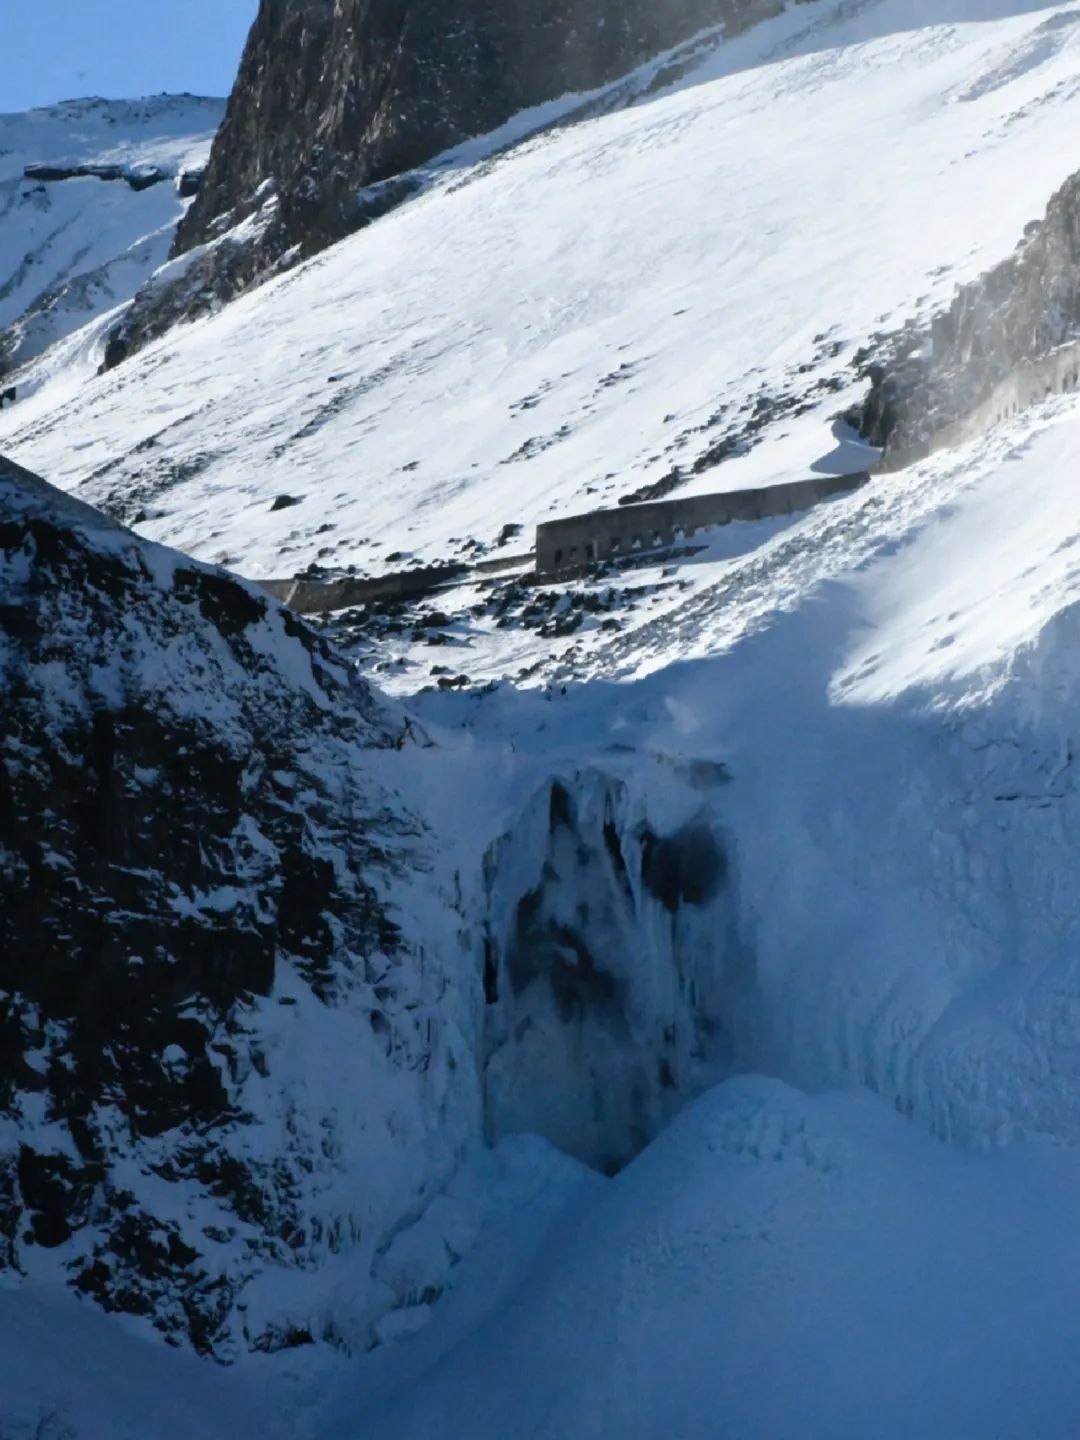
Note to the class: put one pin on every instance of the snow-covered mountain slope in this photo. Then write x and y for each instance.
(420, 76)
(72, 245)
(890, 687)
(558, 327)
(874, 718)
(800, 804)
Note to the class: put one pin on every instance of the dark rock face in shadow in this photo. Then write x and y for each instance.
(171, 847)
(924, 380)
(687, 868)
(136, 177)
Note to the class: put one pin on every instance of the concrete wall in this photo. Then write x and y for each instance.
(583, 540)
(311, 597)
(1055, 374)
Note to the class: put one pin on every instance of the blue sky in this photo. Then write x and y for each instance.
(61, 49)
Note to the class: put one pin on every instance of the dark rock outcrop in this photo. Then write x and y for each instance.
(335, 96)
(195, 865)
(138, 177)
(926, 378)
(606, 964)
(188, 182)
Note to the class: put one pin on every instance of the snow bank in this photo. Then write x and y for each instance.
(783, 1266)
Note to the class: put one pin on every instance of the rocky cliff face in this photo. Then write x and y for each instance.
(334, 96)
(224, 1065)
(927, 377)
(337, 95)
(613, 961)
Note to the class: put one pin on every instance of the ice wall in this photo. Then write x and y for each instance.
(612, 954)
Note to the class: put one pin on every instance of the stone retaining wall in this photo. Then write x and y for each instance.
(312, 597)
(583, 540)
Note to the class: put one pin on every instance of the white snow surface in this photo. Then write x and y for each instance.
(74, 249)
(880, 1237)
(787, 1267)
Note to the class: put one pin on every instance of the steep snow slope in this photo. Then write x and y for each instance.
(774, 1265)
(555, 328)
(889, 686)
(877, 714)
(73, 248)
(122, 1385)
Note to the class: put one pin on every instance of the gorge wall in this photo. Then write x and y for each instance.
(222, 947)
(255, 1019)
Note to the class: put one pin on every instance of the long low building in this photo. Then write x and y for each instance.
(583, 540)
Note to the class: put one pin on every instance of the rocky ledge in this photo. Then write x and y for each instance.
(138, 177)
